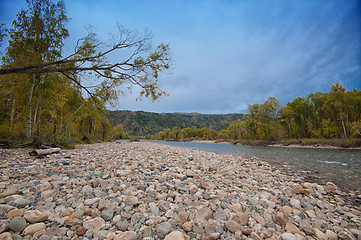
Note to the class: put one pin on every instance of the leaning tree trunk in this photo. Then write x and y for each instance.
(28, 122)
(343, 125)
(39, 114)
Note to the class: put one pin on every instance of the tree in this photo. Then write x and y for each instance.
(36, 36)
(34, 63)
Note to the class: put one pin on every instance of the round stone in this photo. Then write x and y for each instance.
(17, 224)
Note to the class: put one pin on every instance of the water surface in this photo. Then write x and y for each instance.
(340, 166)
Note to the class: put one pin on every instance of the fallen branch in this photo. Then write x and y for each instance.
(43, 152)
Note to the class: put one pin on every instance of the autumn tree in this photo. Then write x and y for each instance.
(36, 36)
(54, 86)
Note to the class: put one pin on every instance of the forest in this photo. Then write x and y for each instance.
(332, 115)
(49, 94)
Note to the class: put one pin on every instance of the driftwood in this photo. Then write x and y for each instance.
(43, 152)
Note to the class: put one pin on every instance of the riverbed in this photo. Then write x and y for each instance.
(340, 166)
(147, 190)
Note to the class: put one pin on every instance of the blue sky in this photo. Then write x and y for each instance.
(228, 53)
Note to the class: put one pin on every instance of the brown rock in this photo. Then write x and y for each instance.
(281, 218)
(39, 233)
(204, 213)
(30, 230)
(256, 216)
(8, 192)
(297, 189)
(193, 189)
(15, 213)
(88, 211)
(67, 212)
(330, 187)
(175, 235)
(187, 226)
(247, 231)
(237, 207)
(6, 236)
(233, 226)
(242, 219)
(80, 231)
(36, 216)
(47, 194)
(293, 229)
(287, 210)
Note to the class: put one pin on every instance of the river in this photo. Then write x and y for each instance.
(340, 166)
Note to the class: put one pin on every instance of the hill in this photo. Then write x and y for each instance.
(142, 123)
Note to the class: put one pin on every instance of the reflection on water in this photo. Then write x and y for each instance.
(343, 167)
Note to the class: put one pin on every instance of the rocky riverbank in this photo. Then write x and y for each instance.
(144, 190)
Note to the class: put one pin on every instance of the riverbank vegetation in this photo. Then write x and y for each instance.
(332, 118)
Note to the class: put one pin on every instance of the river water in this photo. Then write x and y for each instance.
(340, 166)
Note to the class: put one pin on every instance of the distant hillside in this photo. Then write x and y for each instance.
(142, 123)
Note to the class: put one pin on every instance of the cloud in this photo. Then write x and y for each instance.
(228, 54)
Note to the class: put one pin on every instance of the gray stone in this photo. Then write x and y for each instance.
(20, 202)
(254, 236)
(88, 191)
(164, 206)
(345, 236)
(4, 209)
(164, 228)
(4, 225)
(107, 214)
(17, 224)
(16, 236)
(306, 227)
(288, 236)
(137, 218)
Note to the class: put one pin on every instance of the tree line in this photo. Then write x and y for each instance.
(332, 115)
(48, 94)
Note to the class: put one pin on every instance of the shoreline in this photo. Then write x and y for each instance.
(313, 146)
(282, 145)
(137, 190)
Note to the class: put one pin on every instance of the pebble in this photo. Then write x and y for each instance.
(129, 235)
(31, 229)
(164, 228)
(4, 209)
(331, 235)
(6, 236)
(288, 236)
(175, 235)
(187, 226)
(146, 190)
(14, 213)
(17, 224)
(4, 225)
(233, 226)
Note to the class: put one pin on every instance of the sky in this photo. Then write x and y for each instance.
(227, 54)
